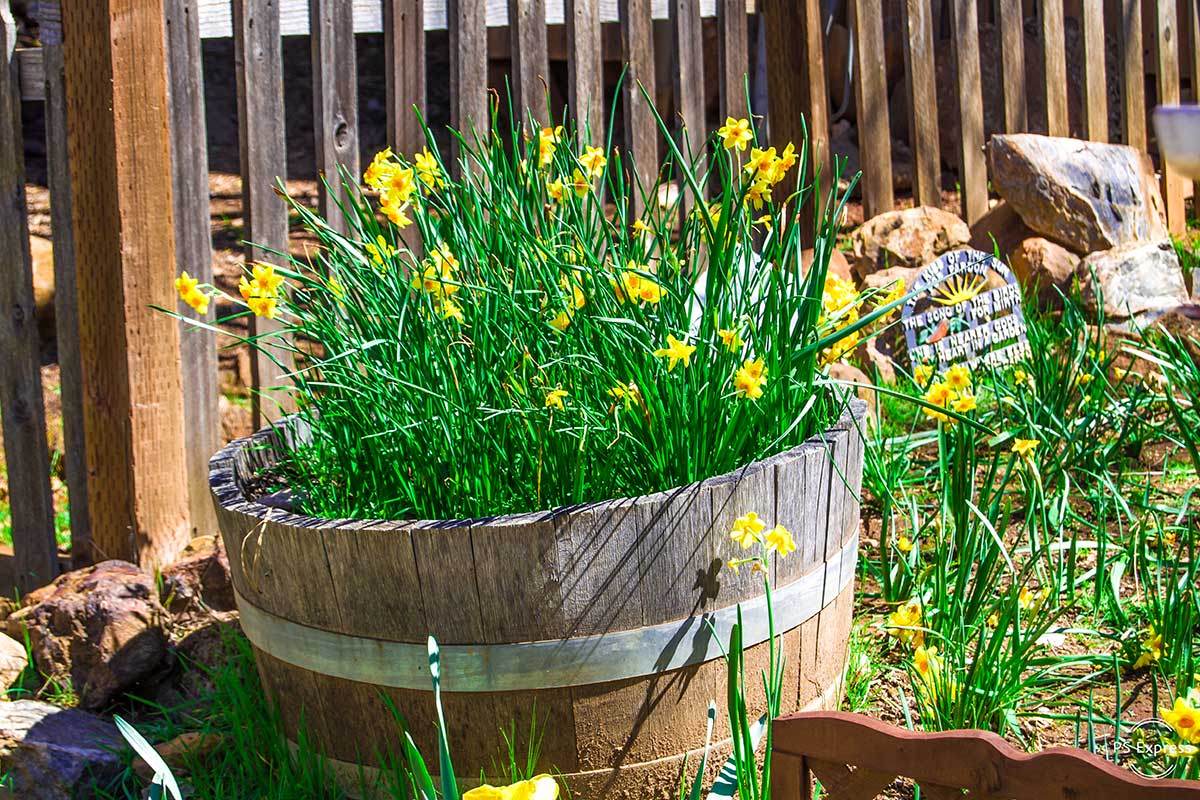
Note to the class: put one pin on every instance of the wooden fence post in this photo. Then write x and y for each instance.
(335, 102)
(585, 68)
(689, 92)
(258, 59)
(922, 94)
(24, 419)
(120, 154)
(193, 252)
(1055, 59)
(972, 167)
(469, 104)
(641, 130)
(1095, 89)
(404, 52)
(870, 93)
(1012, 64)
(66, 297)
(1133, 92)
(1167, 47)
(733, 57)
(1193, 13)
(530, 61)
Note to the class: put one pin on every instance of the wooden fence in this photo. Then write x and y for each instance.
(132, 418)
(857, 758)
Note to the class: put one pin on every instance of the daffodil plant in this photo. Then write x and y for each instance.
(508, 333)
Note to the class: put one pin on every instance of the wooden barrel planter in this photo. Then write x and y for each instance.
(593, 618)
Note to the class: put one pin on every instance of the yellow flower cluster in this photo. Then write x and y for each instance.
(839, 307)
(189, 292)
(397, 183)
(1184, 717)
(954, 392)
(750, 379)
(676, 351)
(261, 291)
(635, 287)
(904, 624)
(438, 280)
(931, 674)
(539, 787)
(749, 530)
(1152, 649)
(766, 169)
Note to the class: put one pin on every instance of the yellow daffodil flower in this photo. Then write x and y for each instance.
(760, 161)
(964, 402)
(380, 251)
(263, 306)
(1184, 717)
(1025, 447)
(580, 184)
(938, 394)
(758, 193)
(560, 321)
(1031, 601)
(730, 339)
(336, 289)
(675, 351)
(428, 170)
(379, 169)
(921, 374)
(627, 393)
(554, 399)
(958, 377)
(450, 310)
(555, 190)
(785, 161)
(904, 623)
(1152, 649)
(548, 139)
(735, 133)
(186, 285)
(593, 161)
(904, 544)
(539, 787)
(779, 540)
(750, 378)
(746, 529)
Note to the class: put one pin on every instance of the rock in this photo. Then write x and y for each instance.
(1133, 279)
(886, 278)
(1042, 266)
(842, 371)
(175, 752)
(200, 579)
(999, 230)
(1183, 323)
(871, 352)
(1084, 195)
(237, 419)
(52, 753)
(838, 263)
(911, 237)
(13, 660)
(99, 627)
(42, 252)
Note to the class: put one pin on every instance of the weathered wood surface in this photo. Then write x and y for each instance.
(641, 129)
(1167, 48)
(120, 162)
(1095, 90)
(24, 419)
(922, 88)
(1133, 89)
(871, 97)
(468, 71)
(1012, 64)
(615, 567)
(335, 104)
(688, 62)
(530, 63)
(826, 743)
(404, 57)
(1054, 57)
(262, 150)
(193, 253)
(972, 171)
(1192, 9)
(585, 67)
(733, 59)
(66, 298)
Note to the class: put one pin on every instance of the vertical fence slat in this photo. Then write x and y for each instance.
(335, 100)
(1055, 58)
(404, 55)
(689, 90)
(467, 21)
(66, 300)
(258, 53)
(641, 135)
(796, 82)
(585, 69)
(874, 127)
(120, 161)
(24, 417)
(923, 103)
(733, 57)
(530, 63)
(1193, 8)
(1012, 64)
(1167, 39)
(1095, 92)
(1133, 87)
(193, 251)
(972, 166)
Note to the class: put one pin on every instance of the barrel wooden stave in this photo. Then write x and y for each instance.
(609, 566)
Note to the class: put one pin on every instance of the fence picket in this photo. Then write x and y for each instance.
(66, 300)
(922, 94)
(1012, 64)
(335, 101)
(24, 417)
(972, 172)
(1133, 92)
(689, 92)
(258, 53)
(1167, 47)
(1193, 9)
(585, 68)
(874, 130)
(641, 133)
(404, 58)
(468, 69)
(733, 57)
(1055, 59)
(530, 64)
(1095, 91)
(193, 252)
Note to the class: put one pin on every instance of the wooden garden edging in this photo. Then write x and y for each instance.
(856, 757)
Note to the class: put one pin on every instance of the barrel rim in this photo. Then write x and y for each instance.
(227, 491)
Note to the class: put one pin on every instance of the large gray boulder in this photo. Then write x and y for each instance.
(52, 753)
(1083, 195)
(1133, 279)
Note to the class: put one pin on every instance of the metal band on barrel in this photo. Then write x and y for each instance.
(580, 661)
